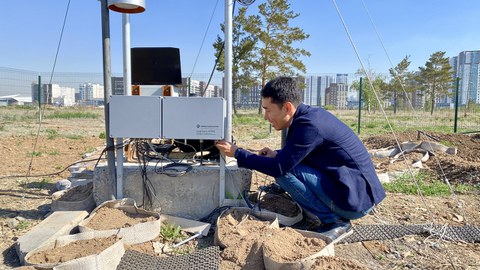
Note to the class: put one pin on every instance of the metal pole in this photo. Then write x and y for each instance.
(39, 92)
(228, 65)
(107, 90)
(455, 121)
(227, 91)
(127, 90)
(359, 106)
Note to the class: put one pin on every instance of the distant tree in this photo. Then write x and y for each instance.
(399, 86)
(275, 53)
(242, 54)
(368, 94)
(435, 77)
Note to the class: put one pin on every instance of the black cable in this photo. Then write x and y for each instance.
(149, 191)
(174, 169)
(51, 174)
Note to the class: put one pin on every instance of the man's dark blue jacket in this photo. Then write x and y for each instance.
(318, 139)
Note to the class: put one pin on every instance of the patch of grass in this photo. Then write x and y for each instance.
(46, 183)
(2, 127)
(447, 143)
(248, 119)
(427, 184)
(74, 137)
(72, 115)
(89, 150)
(260, 135)
(22, 225)
(102, 135)
(54, 153)
(52, 133)
(35, 154)
(371, 125)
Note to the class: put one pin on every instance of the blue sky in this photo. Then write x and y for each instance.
(30, 31)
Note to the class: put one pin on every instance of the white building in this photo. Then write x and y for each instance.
(54, 94)
(91, 91)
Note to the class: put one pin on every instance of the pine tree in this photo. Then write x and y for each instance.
(436, 77)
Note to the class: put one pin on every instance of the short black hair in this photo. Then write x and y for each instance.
(281, 90)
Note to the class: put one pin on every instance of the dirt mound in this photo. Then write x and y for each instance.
(74, 250)
(460, 168)
(107, 218)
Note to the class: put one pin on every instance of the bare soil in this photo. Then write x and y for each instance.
(74, 250)
(107, 218)
(30, 168)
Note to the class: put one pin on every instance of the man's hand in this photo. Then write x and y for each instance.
(267, 152)
(227, 148)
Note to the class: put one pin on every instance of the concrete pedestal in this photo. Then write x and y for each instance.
(192, 195)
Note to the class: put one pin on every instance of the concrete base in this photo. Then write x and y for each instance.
(192, 195)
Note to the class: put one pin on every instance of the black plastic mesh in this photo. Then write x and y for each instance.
(204, 259)
(382, 232)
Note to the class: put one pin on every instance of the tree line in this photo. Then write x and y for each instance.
(432, 81)
(264, 47)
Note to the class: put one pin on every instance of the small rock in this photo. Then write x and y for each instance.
(418, 164)
(406, 254)
(63, 184)
(12, 223)
(19, 218)
(457, 218)
(410, 265)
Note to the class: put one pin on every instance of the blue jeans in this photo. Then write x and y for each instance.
(303, 183)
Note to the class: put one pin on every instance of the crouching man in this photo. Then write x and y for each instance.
(324, 166)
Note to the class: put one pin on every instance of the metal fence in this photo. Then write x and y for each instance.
(332, 91)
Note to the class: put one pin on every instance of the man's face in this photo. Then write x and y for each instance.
(276, 115)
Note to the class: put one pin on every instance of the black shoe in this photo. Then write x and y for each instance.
(273, 188)
(336, 229)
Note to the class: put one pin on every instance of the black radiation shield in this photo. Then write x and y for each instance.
(156, 66)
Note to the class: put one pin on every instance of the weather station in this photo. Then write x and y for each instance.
(164, 156)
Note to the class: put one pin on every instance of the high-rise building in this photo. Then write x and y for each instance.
(91, 91)
(342, 78)
(314, 93)
(311, 94)
(337, 95)
(466, 67)
(117, 86)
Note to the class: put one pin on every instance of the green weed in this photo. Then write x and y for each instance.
(52, 133)
(102, 135)
(74, 137)
(171, 232)
(22, 225)
(72, 115)
(260, 135)
(427, 185)
(35, 154)
(46, 183)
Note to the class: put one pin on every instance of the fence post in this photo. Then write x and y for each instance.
(39, 90)
(359, 106)
(455, 120)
